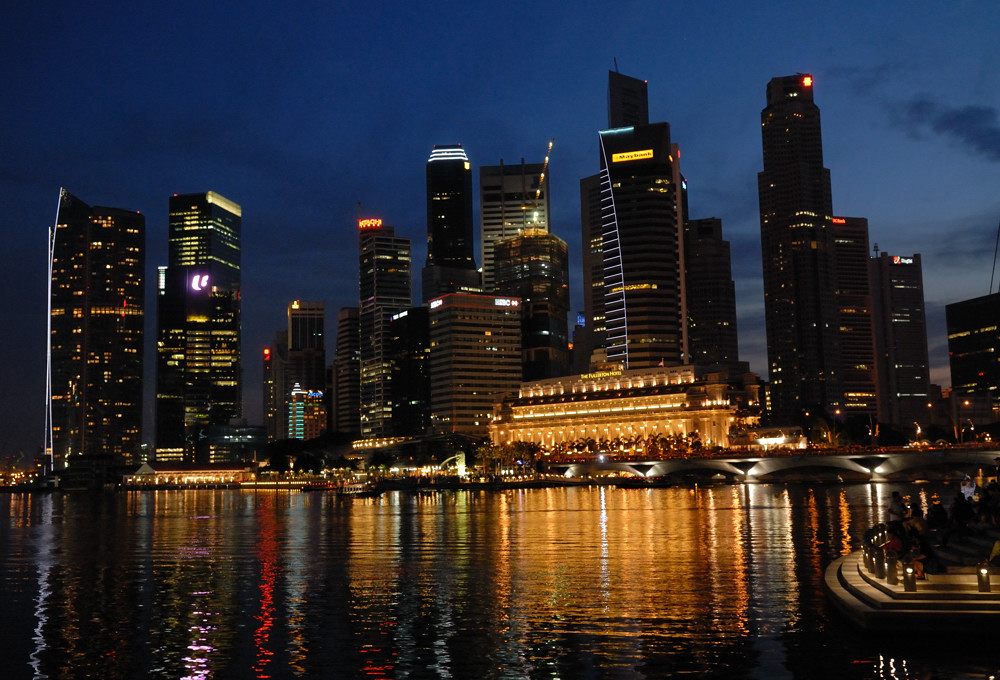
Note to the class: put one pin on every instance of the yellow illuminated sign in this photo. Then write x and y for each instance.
(631, 155)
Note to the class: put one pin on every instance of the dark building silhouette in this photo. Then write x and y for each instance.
(711, 298)
(859, 371)
(534, 266)
(901, 341)
(801, 311)
(628, 101)
(450, 265)
(408, 354)
(296, 357)
(96, 335)
(345, 379)
(198, 378)
(974, 346)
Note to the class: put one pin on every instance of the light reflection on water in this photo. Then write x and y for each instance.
(551, 583)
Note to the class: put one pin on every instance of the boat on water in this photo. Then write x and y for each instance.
(358, 490)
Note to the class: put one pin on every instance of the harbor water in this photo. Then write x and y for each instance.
(570, 582)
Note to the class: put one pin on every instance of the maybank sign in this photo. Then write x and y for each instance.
(631, 156)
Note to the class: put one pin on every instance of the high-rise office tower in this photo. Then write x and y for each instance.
(96, 317)
(711, 297)
(632, 219)
(475, 359)
(512, 199)
(297, 357)
(859, 370)
(450, 265)
(534, 266)
(900, 339)
(198, 378)
(384, 284)
(643, 265)
(409, 354)
(800, 308)
(346, 374)
(974, 346)
(628, 101)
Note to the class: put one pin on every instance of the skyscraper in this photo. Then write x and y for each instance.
(800, 308)
(859, 371)
(901, 339)
(346, 378)
(96, 333)
(297, 357)
(711, 297)
(642, 221)
(534, 266)
(450, 263)
(513, 199)
(628, 101)
(974, 346)
(384, 284)
(475, 359)
(198, 379)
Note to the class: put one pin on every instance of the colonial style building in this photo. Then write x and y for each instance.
(628, 406)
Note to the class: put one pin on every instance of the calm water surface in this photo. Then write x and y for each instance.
(594, 582)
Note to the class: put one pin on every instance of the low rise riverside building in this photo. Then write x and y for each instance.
(630, 408)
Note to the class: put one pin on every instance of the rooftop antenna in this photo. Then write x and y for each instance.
(876, 251)
(616, 64)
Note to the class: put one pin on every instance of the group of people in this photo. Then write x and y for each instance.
(973, 509)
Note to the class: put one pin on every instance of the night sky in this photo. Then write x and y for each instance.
(299, 111)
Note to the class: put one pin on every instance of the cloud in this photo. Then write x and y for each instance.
(977, 128)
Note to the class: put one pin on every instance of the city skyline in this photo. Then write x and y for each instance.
(301, 130)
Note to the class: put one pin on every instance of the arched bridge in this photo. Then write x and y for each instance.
(872, 465)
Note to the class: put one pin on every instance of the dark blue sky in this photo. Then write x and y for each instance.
(299, 111)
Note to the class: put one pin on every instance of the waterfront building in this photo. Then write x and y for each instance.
(800, 309)
(198, 377)
(534, 266)
(96, 303)
(626, 408)
(512, 200)
(475, 359)
(901, 341)
(859, 372)
(384, 286)
(974, 347)
(271, 393)
(346, 374)
(450, 265)
(711, 298)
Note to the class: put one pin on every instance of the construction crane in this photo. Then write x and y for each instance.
(545, 168)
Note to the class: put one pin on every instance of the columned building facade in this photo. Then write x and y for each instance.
(621, 407)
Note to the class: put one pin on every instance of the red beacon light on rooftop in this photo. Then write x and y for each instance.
(807, 81)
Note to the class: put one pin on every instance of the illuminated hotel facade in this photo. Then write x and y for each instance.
(96, 333)
(198, 377)
(620, 404)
